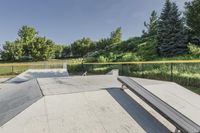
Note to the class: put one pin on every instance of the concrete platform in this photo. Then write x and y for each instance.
(2, 80)
(88, 104)
(16, 98)
(38, 73)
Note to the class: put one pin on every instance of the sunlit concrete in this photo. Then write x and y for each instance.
(38, 73)
(88, 104)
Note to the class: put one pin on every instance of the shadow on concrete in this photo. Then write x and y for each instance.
(15, 98)
(148, 122)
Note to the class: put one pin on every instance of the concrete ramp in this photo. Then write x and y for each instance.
(16, 98)
(114, 72)
(38, 73)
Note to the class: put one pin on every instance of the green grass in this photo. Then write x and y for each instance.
(194, 89)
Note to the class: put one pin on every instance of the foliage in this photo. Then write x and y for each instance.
(129, 45)
(103, 43)
(171, 38)
(130, 57)
(147, 50)
(27, 34)
(194, 50)
(66, 52)
(82, 47)
(151, 27)
(58, 49)
(116, 36)
(102, 59)
(192, 14)
(165, 37)
(12, 51)
(41, 49)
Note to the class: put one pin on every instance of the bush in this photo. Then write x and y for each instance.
(130, 57)
(90, 59)
(102, 59)
(194, 50)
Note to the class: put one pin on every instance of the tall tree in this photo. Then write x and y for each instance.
(82, 47)
(58, 49)
(41, 49)
(116, 36)
(151, 27)
(103, 43)
(192, 14)
(171, 38)
(27, 35)
(12, 51)
(66, 52)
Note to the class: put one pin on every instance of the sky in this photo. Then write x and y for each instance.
(65, 21)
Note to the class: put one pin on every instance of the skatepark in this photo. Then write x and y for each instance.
(52, 101)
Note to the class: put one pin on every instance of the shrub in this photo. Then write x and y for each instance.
(102, 59)
(194, 50)
(90, 59)
(130, 57)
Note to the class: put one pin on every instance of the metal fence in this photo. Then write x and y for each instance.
(184, 72)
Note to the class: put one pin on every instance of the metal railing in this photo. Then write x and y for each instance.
(185, 72)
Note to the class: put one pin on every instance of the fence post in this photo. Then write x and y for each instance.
(122, 69)
(12, 69)
(82, 66)
(142, 69)
(171, 71)
(92, 67)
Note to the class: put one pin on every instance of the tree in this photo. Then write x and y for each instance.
(192, 15)
(116, 36)
(12, 51)
(66, 51)
(171, 37)
(103, 43)
(27, 34)
(151, 27)
(41, 49)
(58, 49)
(82, 47)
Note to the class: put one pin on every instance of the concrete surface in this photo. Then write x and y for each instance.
(15, 98)
(76, 84)
(114, 72)
(86, 112)
(2, 80)
(84, 104)
(38, 73)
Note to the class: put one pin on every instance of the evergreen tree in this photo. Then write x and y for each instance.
(192, 15)
(151, 27)
(116, 36)
(171, 38)
(103, 43)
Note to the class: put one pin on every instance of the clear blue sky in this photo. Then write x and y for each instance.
(64, 21)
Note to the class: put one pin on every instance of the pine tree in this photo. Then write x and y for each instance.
(151, 27)
(116, 36)
(171, 38)
(192, 15)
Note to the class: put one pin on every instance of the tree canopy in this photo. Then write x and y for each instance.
(192, 16)
(168, 34)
